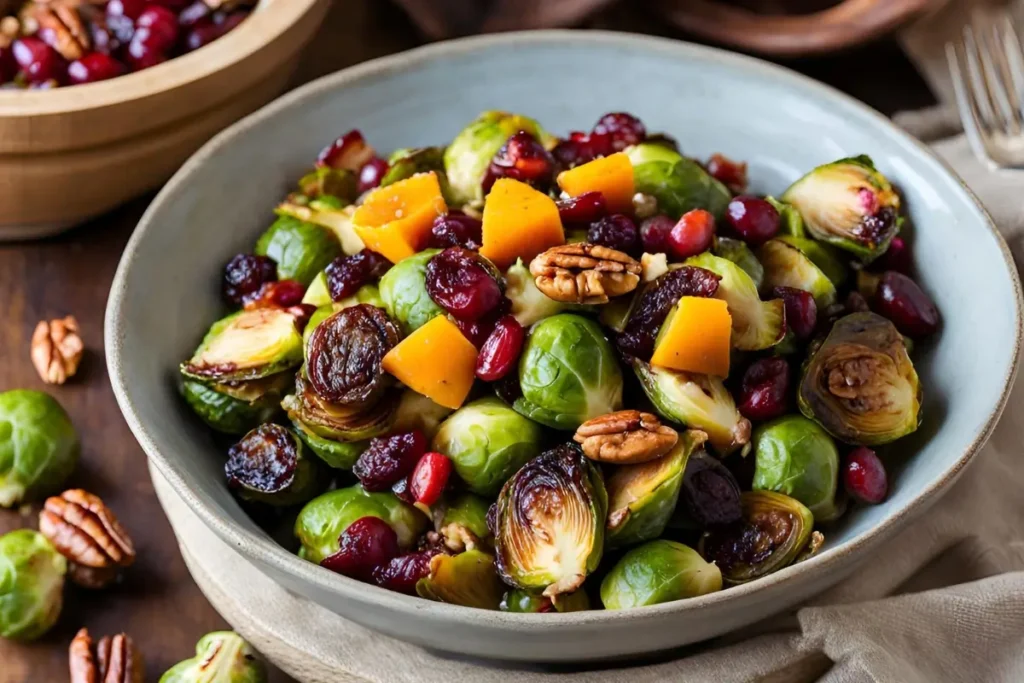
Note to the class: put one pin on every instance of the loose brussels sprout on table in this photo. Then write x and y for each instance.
(31, 584)
(411, 347)
(38, 446)
(221, 657)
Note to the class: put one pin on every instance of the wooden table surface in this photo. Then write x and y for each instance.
(158, 604)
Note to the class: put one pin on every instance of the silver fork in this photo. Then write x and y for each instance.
(987, 66)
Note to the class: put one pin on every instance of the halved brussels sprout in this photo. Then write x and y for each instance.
(38, 446)
(247, 345)
(327, 212)
(568, 373)
(739, 253)
(787, 266)
(774, 530)
(324, 182)
(416, 411)
(549, 522)
(301, 249)
(641, 497)
(221, 657)
(317, 293)
(793, 455)
(756, 324)
(340, 455)
(31, 584)
(467, 579)
(529, 304)
(791, 223)
(860, 384)
(678, 183)
(339, 423)
(656, 572)
(403, 290)
(467, 512)
(230, 415)
(651, 151)
(696, 401)
(825, 257)
(324, 518)
(850, 204)
(269, 465)
(518, 600)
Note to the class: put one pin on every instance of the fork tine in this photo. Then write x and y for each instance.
(1014, 58)
(965, 103)
(992, 57)
(980, 93)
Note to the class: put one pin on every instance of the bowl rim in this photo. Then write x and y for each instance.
(264, 550)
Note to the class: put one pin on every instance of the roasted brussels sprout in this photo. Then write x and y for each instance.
(568, 373)
(850, 204)
(658, 571)
(247, 345)
(221, 657)
(529, 304)
(860, 384)
(324, 518)
(791, 223)
(300, 249)
(235, 408)
(710, 494)
(269, 465)
(403, 289)
(467, 579)
(739, 253)
(774, 530)
(31, 584)
(787, 266)
(696, 401)
(641, 497)
(317, 293)
(416, 411)
(518, 600)
(341, 455)
(338, 423)
(756, 324)
(466, 512)
(679, 184)
(795, 456)
(327, 212)
(487, 442)
(325, 182)
(549, 523)
(38, 446)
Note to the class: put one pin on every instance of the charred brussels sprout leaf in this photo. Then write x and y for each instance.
(679, 184)
(403, 289)
(247, 345)
(345, 354)
(269, 465)
(467, 579)
(860, 384)
(568, 373)
(739, 253)
(529, 304)
(31, 584)
(656, 572)
(550, 521)
(338, 423)
(341, 455)
(221, 657)
(300, 249)
(772, 533)
(518, 600)
(38, 446)
(710, 494)
(330, 213)
(787, 266)
(340, 184)
(237, 407)
(796, 457)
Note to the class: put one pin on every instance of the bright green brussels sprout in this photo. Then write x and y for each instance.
(404, 292)
(529, 304)
(793, 455)
(340, 455)
(326, 183)
(568, 373)
(247, 345)
(649, 152)
(678, 183)
(825, 257)
(322, 520)
(518, 600)
(696, 401)
(860, 384)
(301, 249)
(756, 324)
(468, 579)
(739, 253)
(791, 223)
(774, 531)
(467, 157)
(38, 446)
(221, 657)
(270, 465)
(330, 213)
(641, 497)
(416, 411)
(787, 266)
(487, 441)
(339, 423)
(467, 512)
(656, 572)
(225, 413)
(31, 584)
(850, 204)
(549, 523)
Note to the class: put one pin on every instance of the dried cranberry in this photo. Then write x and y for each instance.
(500, 353)
(388, 459)
(281, 294)
(691, 235)
(732, 174)
(8, 65)
(585, 208)
(245, 274)
(175, 5)
(570, 153)
(753, 219)
(350, 151)
(902, 301)
(263, 461)
(94, 67)
(521, 158)
(302, 313)
(617, 231)
(654, 233)
(896, 257)
(401, 490)
(623, 130)
(456, 230)
(38, 61)
(765, 389)
(346, 274)
(206, 32)
(801, 310)
(193, 15)
(401, 573)
(119, 29)
(429, 477)
(477, 331)
(462, 283)
(126, 8)
(864, 476)
(508, 388)
(710, 494)
(372, 173)
(367, 543)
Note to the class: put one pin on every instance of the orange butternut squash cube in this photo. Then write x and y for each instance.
(697, 338)
(612, 176)
(519, 222)
(436, 360)
(395, 220)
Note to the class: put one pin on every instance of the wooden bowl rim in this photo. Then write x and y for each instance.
(269, 20)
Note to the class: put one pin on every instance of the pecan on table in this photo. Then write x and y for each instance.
(584, 273)
(57, 349)
(83, 529)
(115, 660)
(625, 437)
(61, 26)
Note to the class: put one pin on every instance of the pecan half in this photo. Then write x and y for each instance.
(57, 349)
(85, 531)
(61, 26)
(584, 273)
(115, 660)
(626, 437)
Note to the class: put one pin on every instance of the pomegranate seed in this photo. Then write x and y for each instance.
(428, 479)
(732, 174)
(864, 476)
(902, 301)
(126, 8)
(462, 283)
(401, 573)
(622, 130)
(94, 67)
(585, 208)
(456, 230)
(349, 151)
(617, 231)
(38, 61)
(156, 31)
(193, 15)
(245, 274)
(346, 274)
(500, 353)
(521, 158)
(692, 235)
(283, 294)
(801, 310)
(896, 257)
(372, 173)
(367, 543)
(654, 234)
(754, 219)
(388, 459)
(764, 389)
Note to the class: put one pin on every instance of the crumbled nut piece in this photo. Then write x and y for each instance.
(115, 660)
(644, 205)
(653, 266)
(85, 531)
(584, 273)
(625, 437)
(458, 538)
(57, 349)
(61, 26)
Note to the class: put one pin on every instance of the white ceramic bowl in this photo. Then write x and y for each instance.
(166, 292)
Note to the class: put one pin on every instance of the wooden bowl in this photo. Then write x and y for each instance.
(70, 154)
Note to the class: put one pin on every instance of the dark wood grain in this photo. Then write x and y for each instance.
(159, 604)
